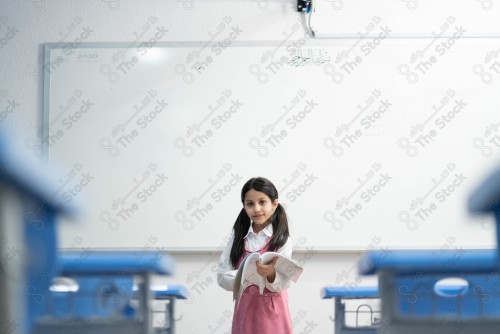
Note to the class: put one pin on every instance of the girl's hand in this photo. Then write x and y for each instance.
(267, 270)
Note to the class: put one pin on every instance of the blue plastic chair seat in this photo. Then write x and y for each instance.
(95, 297)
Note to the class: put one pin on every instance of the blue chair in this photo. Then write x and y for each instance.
(342, 293)
(415, 297)
(92, 297)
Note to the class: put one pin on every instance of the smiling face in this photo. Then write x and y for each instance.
(259, 208)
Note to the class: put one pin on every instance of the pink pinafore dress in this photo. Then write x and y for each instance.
(265, 313)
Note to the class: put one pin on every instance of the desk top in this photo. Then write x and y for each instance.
(115, 263)
(172, 290)
(432, 261)
(349, 292)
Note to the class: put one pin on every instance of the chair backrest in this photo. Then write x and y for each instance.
(102, 296)
(424, 297)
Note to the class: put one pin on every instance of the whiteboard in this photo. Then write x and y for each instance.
(371, 142)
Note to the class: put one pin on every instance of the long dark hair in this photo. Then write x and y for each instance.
(242, 223)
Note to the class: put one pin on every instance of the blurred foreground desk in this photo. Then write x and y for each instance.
(436, 291)
(103, 301)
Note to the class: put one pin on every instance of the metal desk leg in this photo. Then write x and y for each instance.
(171, 310)
(339, 315)
(144, 298)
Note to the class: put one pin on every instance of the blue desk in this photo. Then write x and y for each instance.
(414, 302)
(341, 293)
(102, 304)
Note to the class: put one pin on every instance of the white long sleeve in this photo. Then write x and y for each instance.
(281, 282)
(226, 273)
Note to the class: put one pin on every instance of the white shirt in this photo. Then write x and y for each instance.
(254, 242)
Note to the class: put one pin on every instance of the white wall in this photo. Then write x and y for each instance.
(26, 25)
(209, 310)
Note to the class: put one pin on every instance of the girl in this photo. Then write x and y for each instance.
(261, 226)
